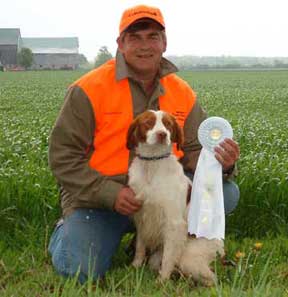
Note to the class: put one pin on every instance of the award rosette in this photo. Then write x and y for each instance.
(206, 217)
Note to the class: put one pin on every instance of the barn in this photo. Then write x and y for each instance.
(54, 52)
(10, 45)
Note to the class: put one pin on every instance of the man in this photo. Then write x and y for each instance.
(87, 152)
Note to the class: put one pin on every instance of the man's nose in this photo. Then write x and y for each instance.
(144, 44)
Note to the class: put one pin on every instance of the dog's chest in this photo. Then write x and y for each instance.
(156, 178)
(162, 186)
(151, 220)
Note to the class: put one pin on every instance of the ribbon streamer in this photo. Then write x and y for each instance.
(206, 217)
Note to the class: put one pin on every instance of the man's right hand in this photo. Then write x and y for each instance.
(126, 203)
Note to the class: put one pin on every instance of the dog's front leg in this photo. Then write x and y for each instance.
(140, 251)
(174, 242)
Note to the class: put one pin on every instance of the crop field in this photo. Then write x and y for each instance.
(255, 103)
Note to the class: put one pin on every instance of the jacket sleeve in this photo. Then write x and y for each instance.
(70, 145)
(192, 147)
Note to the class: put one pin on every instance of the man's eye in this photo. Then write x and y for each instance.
(154, 37)
(132, 38)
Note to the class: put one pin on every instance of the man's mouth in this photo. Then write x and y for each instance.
(144, 56)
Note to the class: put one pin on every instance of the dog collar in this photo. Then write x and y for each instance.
(153, 158)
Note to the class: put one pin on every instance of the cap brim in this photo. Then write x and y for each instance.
(145, 19)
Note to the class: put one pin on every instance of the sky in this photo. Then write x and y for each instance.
(203, 27)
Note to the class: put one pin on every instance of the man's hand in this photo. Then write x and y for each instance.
(227, 153)
(126, 203)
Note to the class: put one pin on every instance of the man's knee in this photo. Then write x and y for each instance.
(79, 265)
(231, 195)
(85, 243)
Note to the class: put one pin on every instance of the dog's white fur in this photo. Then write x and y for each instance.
(195, 259)
(161, 222)
(162, 186)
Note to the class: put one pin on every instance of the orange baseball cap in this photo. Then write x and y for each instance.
(135, 13)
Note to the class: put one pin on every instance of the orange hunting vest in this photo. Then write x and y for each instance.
(112, 105)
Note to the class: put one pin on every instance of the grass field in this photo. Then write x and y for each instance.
(256, 104)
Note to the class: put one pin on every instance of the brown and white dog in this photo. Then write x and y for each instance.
(158, 179)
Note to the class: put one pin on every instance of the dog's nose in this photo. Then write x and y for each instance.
(161, 136)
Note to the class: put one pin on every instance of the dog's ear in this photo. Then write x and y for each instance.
(132, 139)
(178, 135)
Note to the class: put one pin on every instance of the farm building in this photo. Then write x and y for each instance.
(10, 45)
(54, 53)
(48, 53)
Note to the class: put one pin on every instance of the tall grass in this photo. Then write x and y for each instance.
(257, 273)
(256, 104)
(29, 103)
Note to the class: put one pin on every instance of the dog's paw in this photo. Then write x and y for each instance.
(164, 275)
(137, 263)
(208, 282)
(206, 278)
(160, 281)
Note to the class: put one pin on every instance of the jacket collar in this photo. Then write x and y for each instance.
(124, 71)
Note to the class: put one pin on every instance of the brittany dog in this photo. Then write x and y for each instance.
(158, 180)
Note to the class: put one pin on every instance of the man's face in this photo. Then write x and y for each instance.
(143, 49)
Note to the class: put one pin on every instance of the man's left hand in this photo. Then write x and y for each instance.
(227, 153)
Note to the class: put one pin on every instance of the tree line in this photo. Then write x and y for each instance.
(202, 62)
(187, 62)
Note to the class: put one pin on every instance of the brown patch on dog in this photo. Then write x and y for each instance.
(138, 129)
(176, 131)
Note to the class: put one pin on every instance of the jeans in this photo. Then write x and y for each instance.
(86, 241)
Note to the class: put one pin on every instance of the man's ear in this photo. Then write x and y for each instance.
(120, 43)
(164, 41)
(165, 46)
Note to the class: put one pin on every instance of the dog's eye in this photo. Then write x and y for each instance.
(168, 125)
(149, 123)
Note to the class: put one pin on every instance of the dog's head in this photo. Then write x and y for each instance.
(154, 127)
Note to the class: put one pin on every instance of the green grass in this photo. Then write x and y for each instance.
(256, 104)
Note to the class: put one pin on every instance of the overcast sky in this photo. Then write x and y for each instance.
(196, 27)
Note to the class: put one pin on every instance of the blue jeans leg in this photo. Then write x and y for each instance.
(231, 194)
(86, 241)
